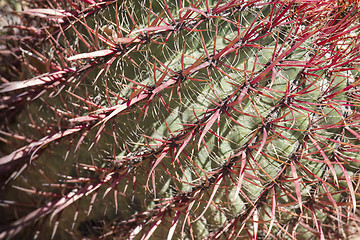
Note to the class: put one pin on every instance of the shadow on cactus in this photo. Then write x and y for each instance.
(180, 120)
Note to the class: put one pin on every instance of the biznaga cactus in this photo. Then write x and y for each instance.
(181, 120)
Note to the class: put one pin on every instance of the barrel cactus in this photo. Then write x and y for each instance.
(180, 119)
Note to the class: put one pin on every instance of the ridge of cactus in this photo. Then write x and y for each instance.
(160, 119)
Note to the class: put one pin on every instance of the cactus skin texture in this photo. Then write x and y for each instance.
(158, 119)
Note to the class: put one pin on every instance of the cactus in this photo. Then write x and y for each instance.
(180, 119)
